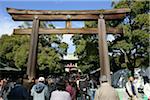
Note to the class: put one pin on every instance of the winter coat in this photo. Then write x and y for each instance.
(40, 92)
(60, 95)
(106, 92)
(18, 93)
(51, 88)
(129, 91)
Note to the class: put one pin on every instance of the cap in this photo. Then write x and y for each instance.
(41, 79)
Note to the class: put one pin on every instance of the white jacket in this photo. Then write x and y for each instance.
(129, 90)
(60, 95)
(147, 89)
(40, 92)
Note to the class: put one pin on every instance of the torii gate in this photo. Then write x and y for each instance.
(67, 15)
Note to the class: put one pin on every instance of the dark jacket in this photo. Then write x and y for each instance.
(18, 93)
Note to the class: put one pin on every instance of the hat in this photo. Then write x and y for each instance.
(41, 79)
(61, 85)
(103, 78)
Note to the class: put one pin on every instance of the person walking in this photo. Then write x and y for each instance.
(60, 93)
(1, 88)
(106, 91)
(147, 89)
(39, 91)
(92, 85)
(51, 86)
(131, 88)
(70, 89)
(19, 92)
(8, 85)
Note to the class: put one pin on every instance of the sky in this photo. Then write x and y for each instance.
(7, 24)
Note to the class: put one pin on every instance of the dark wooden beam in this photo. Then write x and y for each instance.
(64, 17)
(68, 24)
(32, 59)
(103, 49)
(67, 31)
(67, 12)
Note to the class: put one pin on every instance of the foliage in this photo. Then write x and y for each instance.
(87, 49)
(14, 50)
(135, 42)
(127, 50)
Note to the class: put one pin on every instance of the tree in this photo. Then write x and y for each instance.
(87, 49)
(51, 50)
(127, 50)
(134, 45)
(14, 50)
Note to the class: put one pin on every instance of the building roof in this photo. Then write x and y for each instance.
(70, 56)
(4, 67)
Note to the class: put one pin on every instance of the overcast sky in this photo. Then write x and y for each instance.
(7, 24)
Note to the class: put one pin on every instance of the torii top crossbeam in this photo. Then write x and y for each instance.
(63, 15)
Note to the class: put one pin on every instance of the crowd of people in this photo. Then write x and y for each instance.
(50, 88)
(62, 88)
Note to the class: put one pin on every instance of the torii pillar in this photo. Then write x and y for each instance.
(32, 59)
(103, 48)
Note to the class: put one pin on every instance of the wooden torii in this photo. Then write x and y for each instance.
(67, 15)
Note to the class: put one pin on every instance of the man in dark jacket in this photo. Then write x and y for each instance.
(18, 92)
